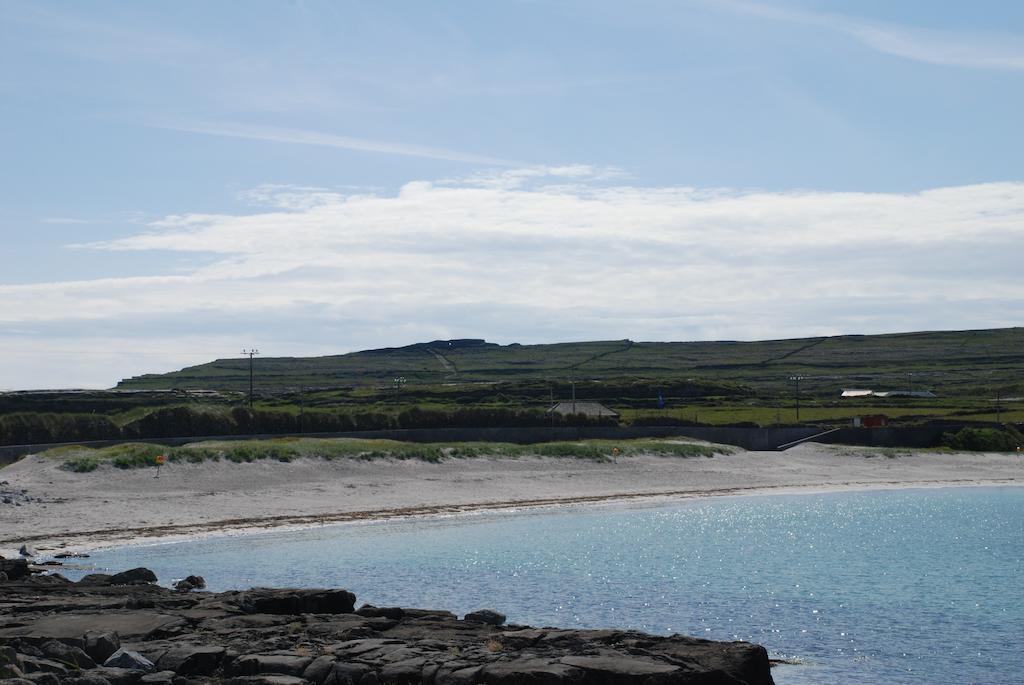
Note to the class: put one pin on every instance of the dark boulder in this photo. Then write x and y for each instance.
(370, 611)
(66, 654)
(101, 645)
(346, 674)
(294, 602)
(8, 656)
(135, 575)
(192, 659)
(488, 616)
(14, 568)
(48, 579)
(95, 579)
(319, 669)
(33, 664)
(404, 671)
(10, 670)
(190, 583)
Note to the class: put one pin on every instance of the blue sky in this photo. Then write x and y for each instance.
(182, 180)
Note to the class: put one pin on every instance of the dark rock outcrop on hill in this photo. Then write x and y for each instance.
(108, 633)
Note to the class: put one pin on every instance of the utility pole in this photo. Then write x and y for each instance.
(572, 382)
(250, 353)
(797, 380)
(551, 411)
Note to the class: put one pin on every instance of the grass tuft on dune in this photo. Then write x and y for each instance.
(82, 459)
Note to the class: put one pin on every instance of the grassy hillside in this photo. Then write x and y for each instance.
(948, 362)
(975, 375)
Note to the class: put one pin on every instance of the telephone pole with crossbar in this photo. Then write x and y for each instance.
(250, 354)
(797, 380)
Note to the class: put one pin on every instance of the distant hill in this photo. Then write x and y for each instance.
(944, 361)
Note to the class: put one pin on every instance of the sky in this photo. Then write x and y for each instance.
(179, 181)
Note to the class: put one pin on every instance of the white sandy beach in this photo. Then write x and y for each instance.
(81, 511)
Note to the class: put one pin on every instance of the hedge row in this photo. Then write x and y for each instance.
(168, 422)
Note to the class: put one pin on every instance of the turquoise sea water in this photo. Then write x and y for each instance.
(900, 586)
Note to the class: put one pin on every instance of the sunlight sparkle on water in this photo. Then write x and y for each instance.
(861, 587)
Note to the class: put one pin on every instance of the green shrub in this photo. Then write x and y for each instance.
(81, 464)
(674, 449)
(574, 450)
(981, 440)
(466, 452)
(430, 454)
(253, 451)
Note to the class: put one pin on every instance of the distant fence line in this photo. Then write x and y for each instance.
(747, 437)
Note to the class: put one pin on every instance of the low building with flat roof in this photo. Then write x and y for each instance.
(592, 409)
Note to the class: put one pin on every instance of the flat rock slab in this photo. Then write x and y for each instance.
(312, 637)
(268, 679)
(529, 671)
(256, 664)
(72, 627)
(618, 665)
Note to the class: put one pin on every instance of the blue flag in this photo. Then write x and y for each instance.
(661, 401)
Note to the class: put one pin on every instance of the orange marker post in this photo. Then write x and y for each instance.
(161, 459)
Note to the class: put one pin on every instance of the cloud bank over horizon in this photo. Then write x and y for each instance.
(538, 254)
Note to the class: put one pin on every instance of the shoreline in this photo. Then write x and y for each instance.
(60, 510)
(118, 538)
(303, 636)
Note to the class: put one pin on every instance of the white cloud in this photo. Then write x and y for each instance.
(509, 179)
(946, 48)
(549, 258)
(295, 136)
(66, 220)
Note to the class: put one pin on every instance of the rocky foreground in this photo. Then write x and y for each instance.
(124, 629)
